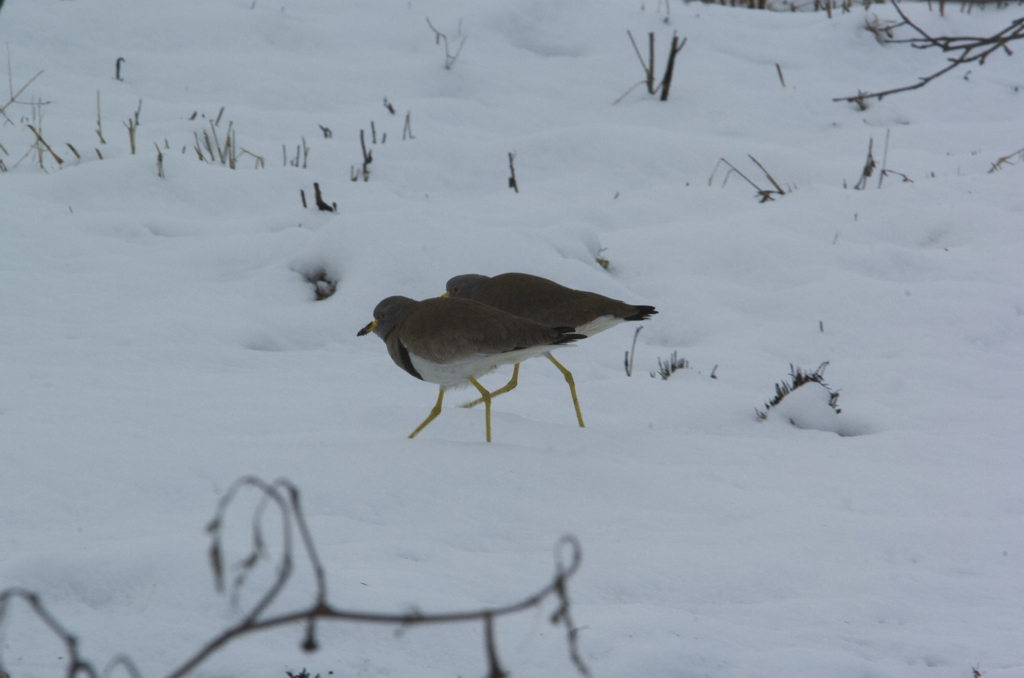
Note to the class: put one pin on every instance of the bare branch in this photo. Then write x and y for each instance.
(75, 663)
(971, 50)
(285, 496)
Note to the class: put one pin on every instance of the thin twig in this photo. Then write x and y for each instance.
(449, 58)
(648, 68)
(1006, 160)
(3, 108)
(774, 183)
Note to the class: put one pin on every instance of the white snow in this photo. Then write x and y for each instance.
(158, 336)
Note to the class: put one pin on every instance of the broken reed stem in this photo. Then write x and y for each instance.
(511, 167)
(885, 156)
(198, 147)
(408, 126)
(869, 167)
(159, 161)
(774, 183)
(40, 140)
(321, 204)
(650, 71)
(99, 121)
(131, 133)
(216, 143)
(648, 66)
(367, 156)
(666, 81)
(132, 125)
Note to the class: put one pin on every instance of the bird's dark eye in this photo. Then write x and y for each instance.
(383, 316)
(456, 290)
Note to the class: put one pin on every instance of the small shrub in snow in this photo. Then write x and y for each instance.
(667, 368)
(323, 285)
(799, 378)
(227, 154)
(301, 674)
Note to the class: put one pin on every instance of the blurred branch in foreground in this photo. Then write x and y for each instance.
(285, 496)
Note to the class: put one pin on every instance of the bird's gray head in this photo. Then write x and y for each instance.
(386, 316)
(465, 286)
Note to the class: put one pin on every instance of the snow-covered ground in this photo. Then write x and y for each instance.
(159, 338)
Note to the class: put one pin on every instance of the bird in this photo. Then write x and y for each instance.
(451, 342)
(548, 303)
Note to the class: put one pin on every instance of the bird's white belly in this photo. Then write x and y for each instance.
(458, 373)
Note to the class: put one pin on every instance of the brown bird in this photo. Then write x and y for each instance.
(548, 303)
(451, 342)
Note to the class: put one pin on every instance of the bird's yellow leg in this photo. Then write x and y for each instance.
(433, 414)
(487, 404)
(572, 387)
(504, 389)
